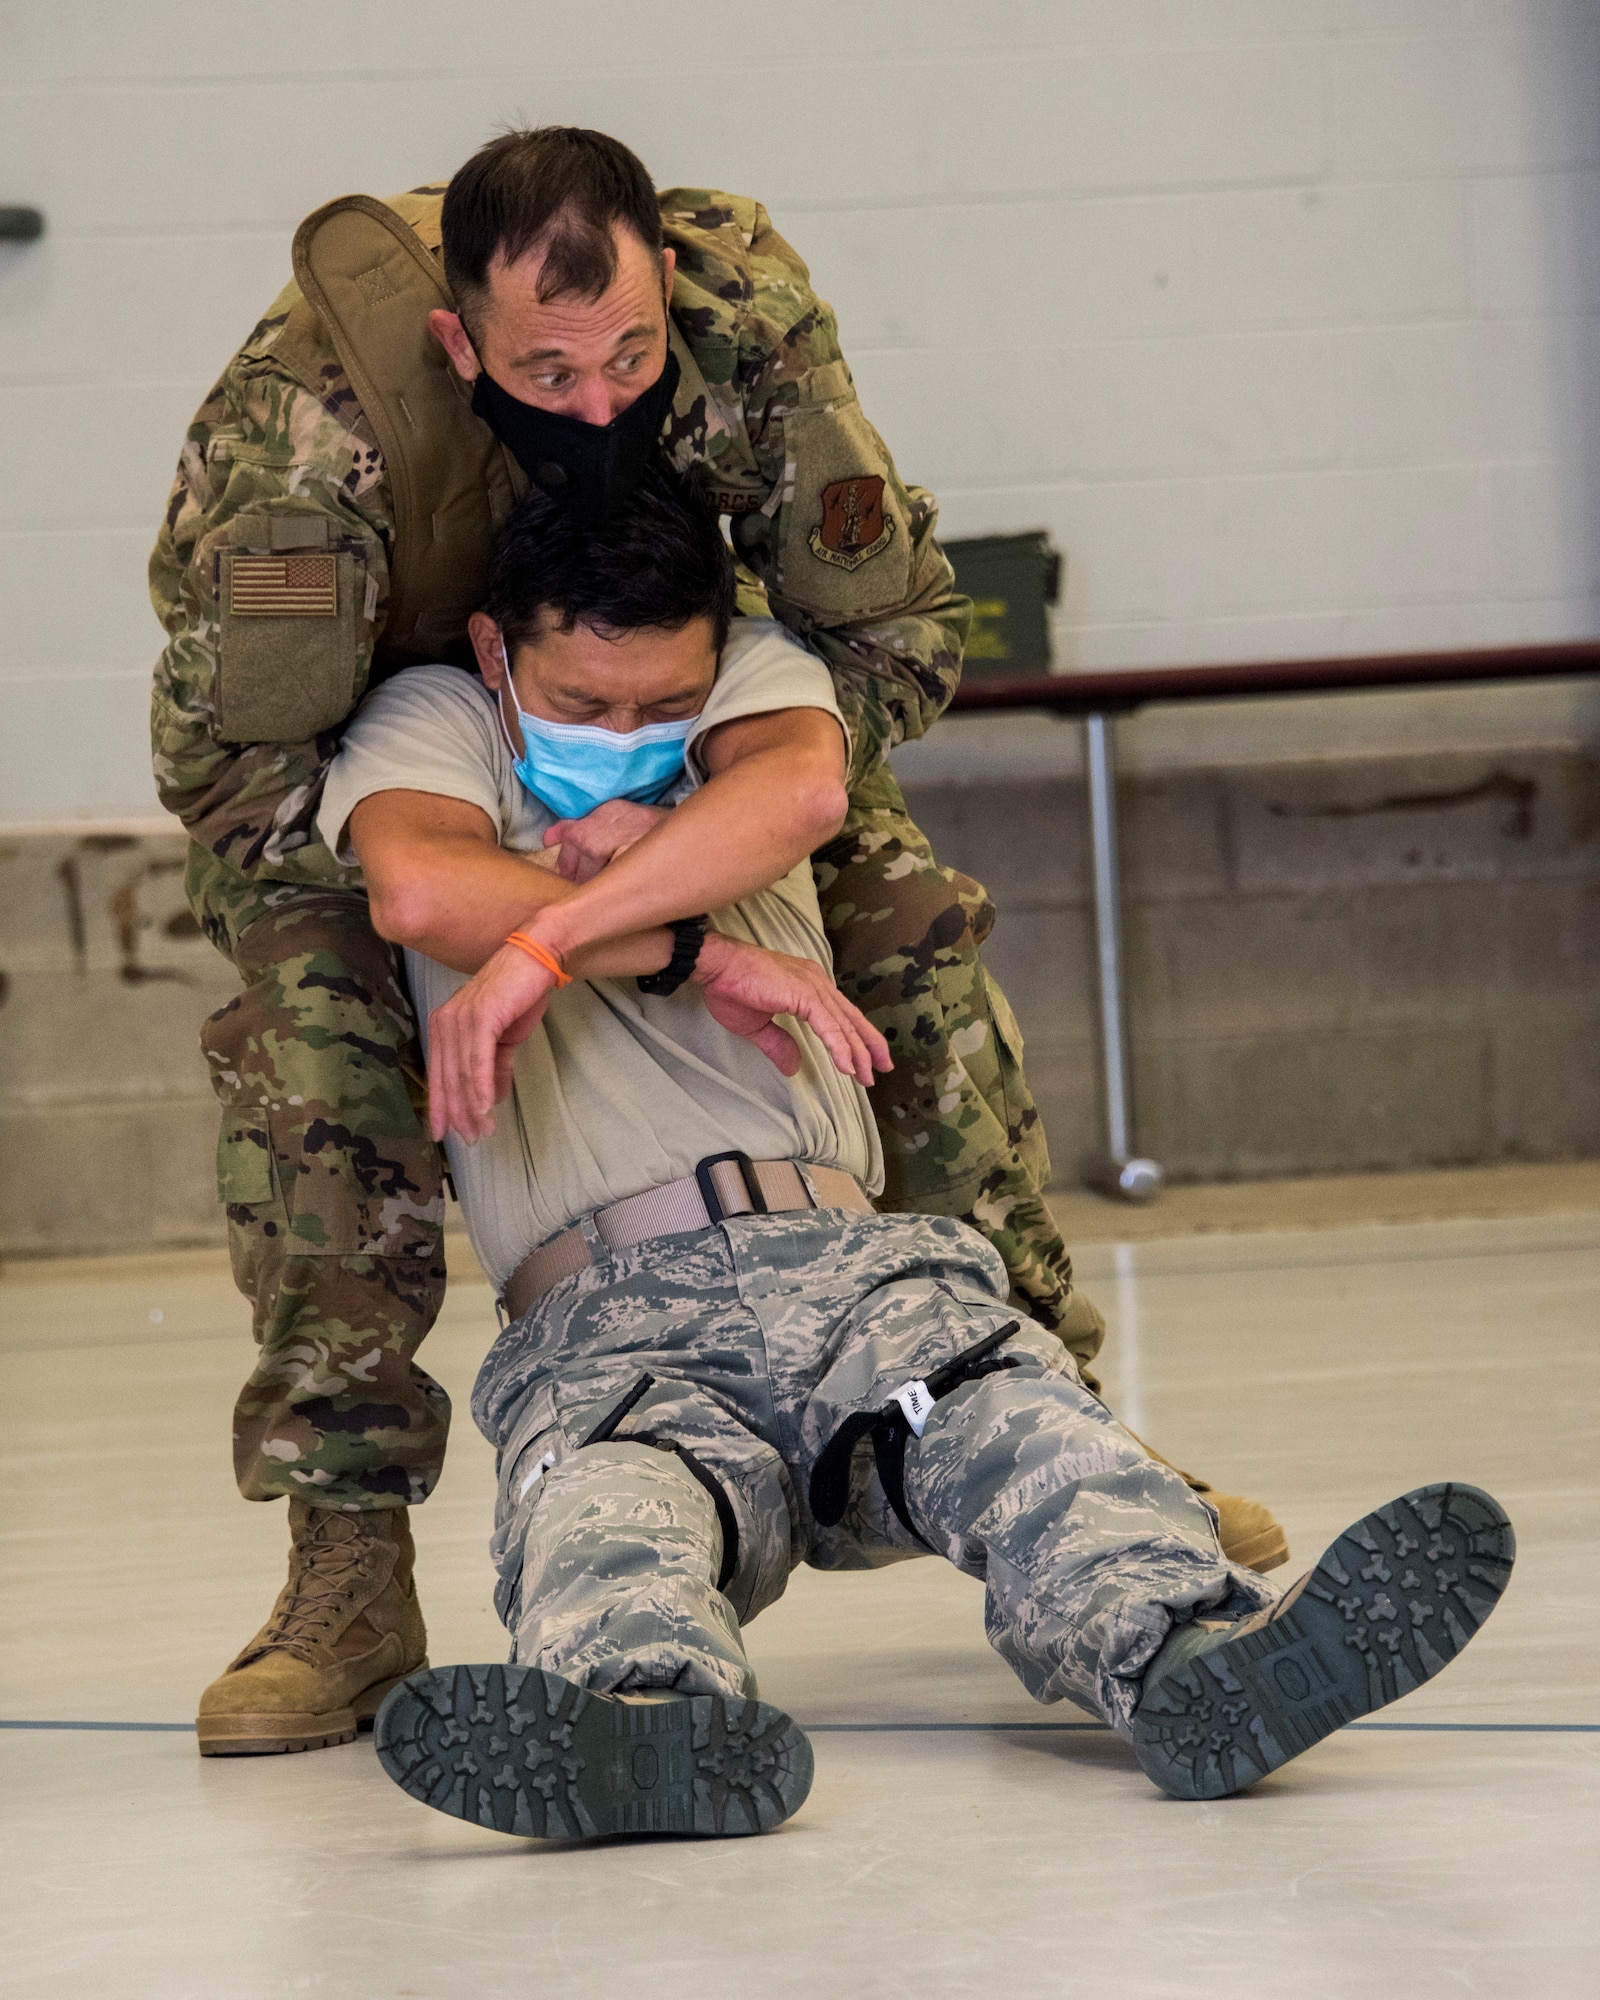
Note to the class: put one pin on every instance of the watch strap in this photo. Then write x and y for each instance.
(688, 934)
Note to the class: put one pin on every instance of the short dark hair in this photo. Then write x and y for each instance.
(559, 189)
(658, 561)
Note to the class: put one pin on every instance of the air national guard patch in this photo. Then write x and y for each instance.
(854, 527)
(284, 587)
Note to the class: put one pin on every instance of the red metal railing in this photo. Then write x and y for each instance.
(1111, 691)
(1101, 696)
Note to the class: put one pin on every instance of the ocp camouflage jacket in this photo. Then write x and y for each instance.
(273, 569)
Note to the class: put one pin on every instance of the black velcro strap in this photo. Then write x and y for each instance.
(889, 1430)
(889, 1443)
(697, 1469)
(727, 1520)
(605, 1432)
(830, 1476)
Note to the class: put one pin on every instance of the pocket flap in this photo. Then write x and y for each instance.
(244, 1163)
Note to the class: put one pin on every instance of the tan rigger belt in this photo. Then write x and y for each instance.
(723, 1184)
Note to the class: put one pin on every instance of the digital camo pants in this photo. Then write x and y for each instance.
(664, 1422)
(333, 1189)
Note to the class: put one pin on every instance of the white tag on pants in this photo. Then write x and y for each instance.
(537, 1473)
(917, 1401)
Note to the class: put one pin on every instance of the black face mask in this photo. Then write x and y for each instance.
(591, 467)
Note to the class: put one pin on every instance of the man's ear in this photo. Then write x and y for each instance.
(489, 647)
(453, 337)
(669, 264)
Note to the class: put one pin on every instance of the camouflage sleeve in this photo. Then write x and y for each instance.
(271, 578)
(845, 548)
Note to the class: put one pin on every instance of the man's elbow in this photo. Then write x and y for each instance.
(823, 803)
(401, 909)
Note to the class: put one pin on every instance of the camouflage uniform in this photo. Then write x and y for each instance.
(637, 1532)
(333, 1192)
(961, 1134)
(335, 1207)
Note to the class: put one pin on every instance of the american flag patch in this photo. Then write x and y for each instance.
(284, 587)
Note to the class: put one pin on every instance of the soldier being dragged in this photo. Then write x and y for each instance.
(548, 318)
(719, 1360)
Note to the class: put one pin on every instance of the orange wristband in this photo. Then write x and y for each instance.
(542, 953)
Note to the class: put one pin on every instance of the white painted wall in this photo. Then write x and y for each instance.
(1280, 314)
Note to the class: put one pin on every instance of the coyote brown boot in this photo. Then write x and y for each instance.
(1249, 1535)
(345, 1629)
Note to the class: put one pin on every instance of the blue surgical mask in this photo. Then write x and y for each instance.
(574, 766)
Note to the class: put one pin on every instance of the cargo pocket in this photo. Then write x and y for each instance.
(536, 1437)
(354, 1193)
(316, 1122)
(1024, 1128)
(244, 1164)
(536, 1444)
(293, 627)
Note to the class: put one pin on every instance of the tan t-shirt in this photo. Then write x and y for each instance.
(617, 1091)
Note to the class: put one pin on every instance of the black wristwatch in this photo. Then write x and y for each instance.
(688, 934)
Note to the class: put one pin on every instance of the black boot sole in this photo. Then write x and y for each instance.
(526, 1752)
(1390, 1604)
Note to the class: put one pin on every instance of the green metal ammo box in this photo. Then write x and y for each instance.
(1012, 580)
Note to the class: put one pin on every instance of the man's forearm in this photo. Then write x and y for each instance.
(457, 900)
(441, 884)
(739, 834)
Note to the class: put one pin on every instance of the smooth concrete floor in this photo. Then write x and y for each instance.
(959, 1839)
(1333, 1201)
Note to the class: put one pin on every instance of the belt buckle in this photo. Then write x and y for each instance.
(747, 1173)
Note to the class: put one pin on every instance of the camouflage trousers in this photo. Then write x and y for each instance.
(961, 1133)
(333, 1190)
(660, 1419)
(335, 1206)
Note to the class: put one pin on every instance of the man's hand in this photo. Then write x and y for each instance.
(474, 1037)
(587, 844)
(745, 985)
(441, 884)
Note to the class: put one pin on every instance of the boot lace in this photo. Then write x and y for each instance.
(329, 1567)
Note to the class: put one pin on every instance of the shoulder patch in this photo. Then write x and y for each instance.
(854, 527)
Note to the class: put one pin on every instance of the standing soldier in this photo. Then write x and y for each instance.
(547, 317)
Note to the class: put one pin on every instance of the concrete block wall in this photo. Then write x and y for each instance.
(1334, 965)
(1280, 314)
(108, 1126)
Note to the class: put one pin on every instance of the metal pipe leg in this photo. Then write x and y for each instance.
(1133, 1178)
